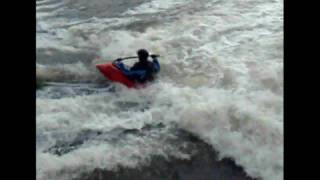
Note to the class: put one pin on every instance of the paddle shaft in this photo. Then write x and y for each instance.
(131, 57)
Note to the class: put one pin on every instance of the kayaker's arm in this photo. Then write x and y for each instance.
(156, 65)
(130, 73)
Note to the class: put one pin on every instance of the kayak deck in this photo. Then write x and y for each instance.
(111, 72)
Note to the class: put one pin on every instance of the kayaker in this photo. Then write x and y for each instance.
(142, 71)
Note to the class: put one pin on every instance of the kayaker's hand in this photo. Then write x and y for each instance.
(116, 61)
(154, 56)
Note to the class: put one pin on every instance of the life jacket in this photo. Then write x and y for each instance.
(146, 66)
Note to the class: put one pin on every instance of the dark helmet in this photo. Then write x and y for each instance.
(143, 54)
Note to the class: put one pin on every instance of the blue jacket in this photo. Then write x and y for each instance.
(140, 72)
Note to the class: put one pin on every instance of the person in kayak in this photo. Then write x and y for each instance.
(142, 71)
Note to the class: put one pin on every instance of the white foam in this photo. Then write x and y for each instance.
(49, 7)
(155, 6)
(68, 116)
(221, 78)
(73, 72)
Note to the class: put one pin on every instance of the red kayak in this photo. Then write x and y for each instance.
(111, 72)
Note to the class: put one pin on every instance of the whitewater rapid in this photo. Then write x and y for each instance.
(221, 79)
